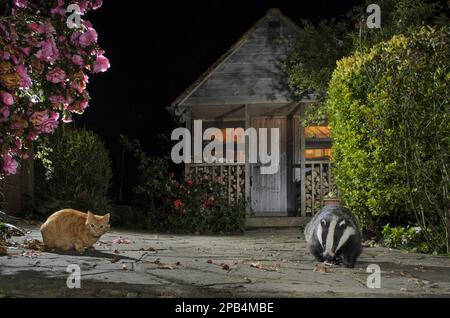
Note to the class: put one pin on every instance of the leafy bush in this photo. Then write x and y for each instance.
(411, 238)
(74, 171)
(3, 232)
(390, 120)
(201, 204)
(195, 205)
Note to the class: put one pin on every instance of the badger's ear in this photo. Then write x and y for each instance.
(342, 223)
(323, 222)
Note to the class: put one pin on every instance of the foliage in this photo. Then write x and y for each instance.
(43, 72)
(412, 238)
(195, 205)
(391, 130)
(3, 232)
(74, 171)
(152, 172)
(320, 45)
(201, 204)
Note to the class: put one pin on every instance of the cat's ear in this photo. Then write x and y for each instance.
(106, 217)
(90, 216)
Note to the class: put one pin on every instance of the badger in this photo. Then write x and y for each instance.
(333, 235)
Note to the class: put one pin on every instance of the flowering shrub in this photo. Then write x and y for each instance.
(43, 72)
(194, 205)
(201, 205)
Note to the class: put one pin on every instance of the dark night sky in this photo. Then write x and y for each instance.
(157, 50)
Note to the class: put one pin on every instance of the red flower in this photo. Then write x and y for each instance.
(171, 175)
(178, 204)
(208, 203)
(189, 182)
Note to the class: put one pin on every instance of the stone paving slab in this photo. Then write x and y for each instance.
(261, 263)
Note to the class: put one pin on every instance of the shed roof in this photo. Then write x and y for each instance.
(250, 72)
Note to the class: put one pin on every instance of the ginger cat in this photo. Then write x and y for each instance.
(67, 229)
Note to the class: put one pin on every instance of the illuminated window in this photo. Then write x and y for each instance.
(239, 155)
(318, 143)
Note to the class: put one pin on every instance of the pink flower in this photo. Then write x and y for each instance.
(57, 99)
(83, 105)
(26, 50)
(47, 28)
(88, 37)
(97, 4)
(56, 76)
(74, 38)
(48, 51)
(33, 26)
(4, 114)
(45, 122)
(101, 64)
(25, 80)
(58, 10)
(189, 182)
(22, 4)
(9, 165)
(7, 99)
(77, 60)
(50, 124)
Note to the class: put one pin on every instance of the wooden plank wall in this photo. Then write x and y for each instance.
(252, 74)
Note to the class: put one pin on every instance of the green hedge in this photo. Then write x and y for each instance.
(74, 172)
(389, 112)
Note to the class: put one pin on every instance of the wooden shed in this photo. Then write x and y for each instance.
(247, 87)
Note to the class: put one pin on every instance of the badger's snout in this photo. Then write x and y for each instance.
(329, 258)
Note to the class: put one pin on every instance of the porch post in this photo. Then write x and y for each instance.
(247, 161)
(187, 166)
(302, 163)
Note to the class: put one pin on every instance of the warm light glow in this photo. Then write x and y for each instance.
(318, 132)
(311, 154)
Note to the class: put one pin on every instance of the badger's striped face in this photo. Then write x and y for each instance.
(332, 234)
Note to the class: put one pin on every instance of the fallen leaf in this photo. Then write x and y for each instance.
(224, 266)
(33, 245)
(165, 266)
(209, 261)
(30, 254)
(256, 265)
(116, 251)
(157, 261)
(121, 240)
(269, 268)
(320, 268)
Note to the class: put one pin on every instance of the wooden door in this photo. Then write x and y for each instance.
(269, 192)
